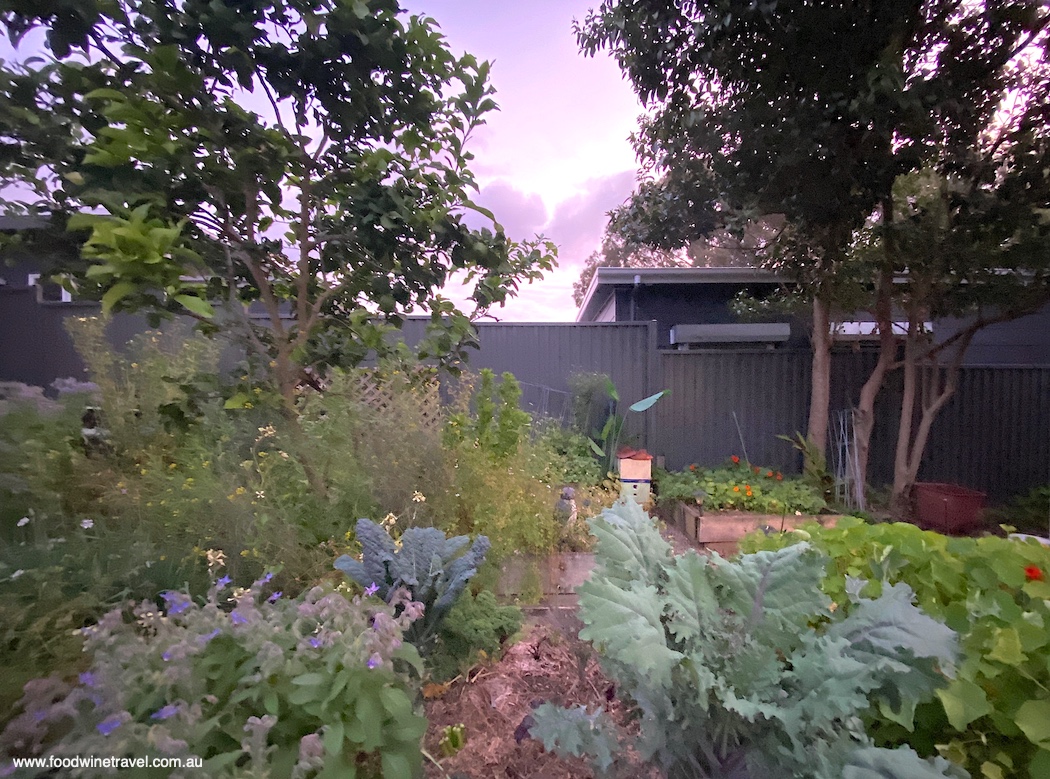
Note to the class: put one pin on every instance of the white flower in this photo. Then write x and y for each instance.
(798, 513)
(87, 524)
(418, 497)
(16, 574)
(23, 521)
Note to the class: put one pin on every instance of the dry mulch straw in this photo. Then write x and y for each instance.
(549, 664)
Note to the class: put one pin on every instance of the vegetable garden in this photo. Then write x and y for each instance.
(181, 591)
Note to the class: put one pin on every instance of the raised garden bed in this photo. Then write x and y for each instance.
(721, 531)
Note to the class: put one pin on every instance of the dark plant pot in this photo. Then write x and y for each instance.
(947, 508)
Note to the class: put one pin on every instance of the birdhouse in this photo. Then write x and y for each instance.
(636, 474)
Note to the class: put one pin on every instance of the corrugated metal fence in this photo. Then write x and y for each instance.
(994, 434)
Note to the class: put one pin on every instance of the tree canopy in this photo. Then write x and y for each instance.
(815, 111)
(306, 157)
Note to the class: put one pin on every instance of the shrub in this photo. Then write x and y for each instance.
(477, 623)
(742, 669)
(432, 568)
(274, 687)
(995, 592)
(741, 486)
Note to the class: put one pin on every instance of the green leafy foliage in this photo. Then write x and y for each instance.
(316, 686)
(743, 669)
(994, 593)
(740, 486)
(335, 203)
(498, 428)
(477, 623)
(432, 568)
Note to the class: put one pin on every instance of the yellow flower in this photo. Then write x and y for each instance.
(172, 467)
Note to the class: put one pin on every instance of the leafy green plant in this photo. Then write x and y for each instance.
(477, 623)
(740, 486)
(1028, 513)
(432, 568)
(498, 428)
(278, 687)
(608, 439)
(453, 739)
(742, 669)
(994, 592)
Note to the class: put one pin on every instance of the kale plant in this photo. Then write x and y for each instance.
(742, 670)
(434, 569)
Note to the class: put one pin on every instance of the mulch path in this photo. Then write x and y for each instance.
(549, 664)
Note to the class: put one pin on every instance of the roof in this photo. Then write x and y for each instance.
(606, 280)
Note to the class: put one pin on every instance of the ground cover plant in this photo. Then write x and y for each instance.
(743, 668)
(321, 685)
(994, 592)
(740, 486)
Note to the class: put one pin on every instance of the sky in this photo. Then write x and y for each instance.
(557, 156)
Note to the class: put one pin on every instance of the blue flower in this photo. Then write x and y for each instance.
(315, 642)
(374, 660)
(238, 619)
(88, 679)
(166, 657)
(207, 636)
(176, 602)
(164, 713)
(223, 582)
(273, 598)
(372, 589)
(107, 726)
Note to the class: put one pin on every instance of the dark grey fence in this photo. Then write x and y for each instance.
(993, 435)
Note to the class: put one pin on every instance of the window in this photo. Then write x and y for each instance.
(48, 291)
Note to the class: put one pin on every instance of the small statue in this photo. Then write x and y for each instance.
(565, 508)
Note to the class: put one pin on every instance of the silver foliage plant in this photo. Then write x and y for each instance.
(742, 669)
(434, 569)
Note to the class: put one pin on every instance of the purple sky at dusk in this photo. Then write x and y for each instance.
(556, 157)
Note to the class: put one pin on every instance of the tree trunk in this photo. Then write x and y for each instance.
(864, 414)
(820, 392)
(938, 386)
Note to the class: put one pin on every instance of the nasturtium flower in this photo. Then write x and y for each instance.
(736, 489)
(735, 459)
(1033, 573)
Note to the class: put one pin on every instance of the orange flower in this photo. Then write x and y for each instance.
(693, 467)
(747, 487)
(736, 489)
(769, 474)
(780, 476)
(735, 459)
(1033, 573)
(756, 469)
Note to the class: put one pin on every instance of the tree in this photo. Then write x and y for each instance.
(809, 110)
(615, 253)
(305, 157)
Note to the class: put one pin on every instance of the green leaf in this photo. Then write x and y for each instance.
(238, 400)
(964, 702)
(1006, 647)
(627, 625)
(1033, 718)
(647, 403)
(196, 305)
(115, 294)
(334, 736)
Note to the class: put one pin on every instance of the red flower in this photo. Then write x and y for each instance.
(780, 476)
(769, 474)
(1033, 573)
(735, 459)
(693, 467)
(756, 469)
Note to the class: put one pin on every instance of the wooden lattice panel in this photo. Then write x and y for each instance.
(379, 392)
